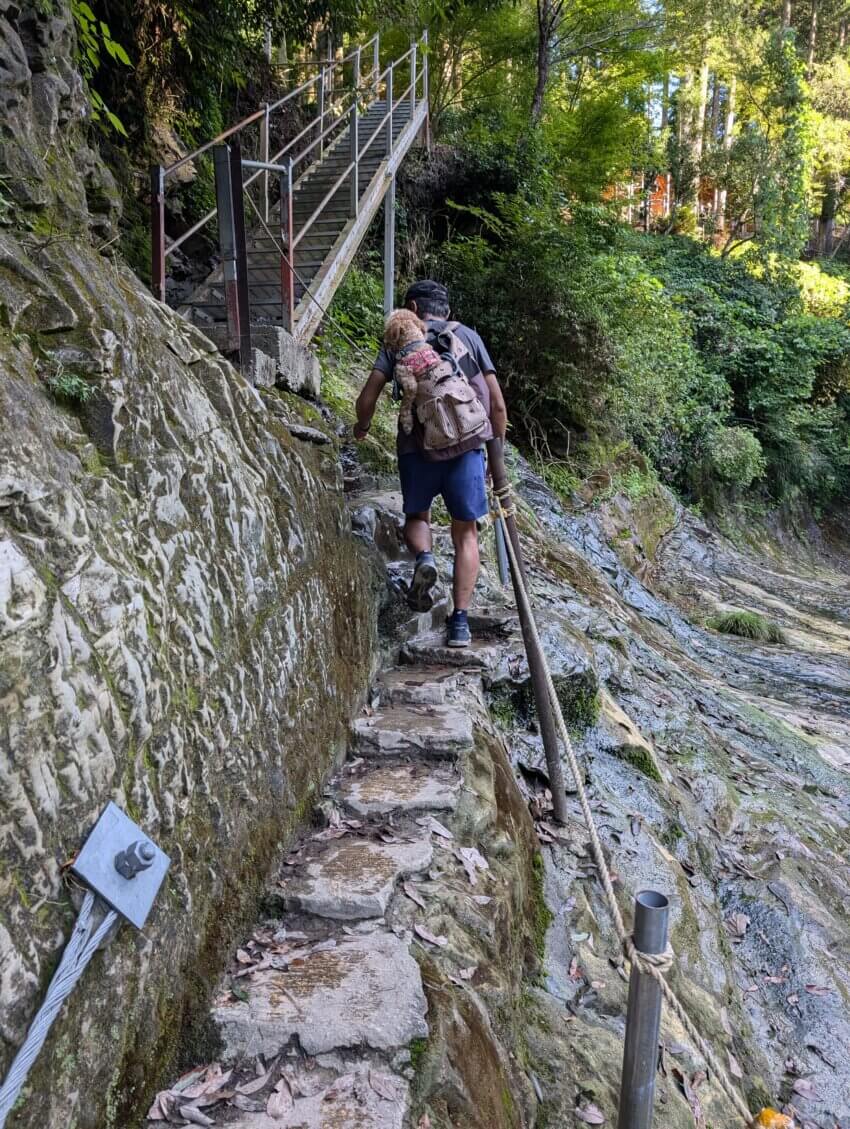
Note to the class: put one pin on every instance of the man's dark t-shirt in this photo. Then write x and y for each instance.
(474, 364)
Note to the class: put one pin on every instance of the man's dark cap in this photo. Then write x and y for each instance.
(428, 291)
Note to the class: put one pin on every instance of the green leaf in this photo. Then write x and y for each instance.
(81, 9)
(116, 123)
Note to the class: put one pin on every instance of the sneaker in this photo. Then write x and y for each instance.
(420, 595)
(458, 634)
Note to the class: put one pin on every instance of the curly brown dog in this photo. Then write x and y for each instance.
(404, 331)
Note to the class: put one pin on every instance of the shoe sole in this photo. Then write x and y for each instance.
(459, 643)
(420, 597)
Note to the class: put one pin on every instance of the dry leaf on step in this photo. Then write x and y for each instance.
(736, 925)
(804, 1088)
(254, 1084)
(384, 1085)
(424, 1122)
(413, 894)
(194, 1116)
(434, 825)
(343, 1085)
(280, 1103)
(591, 1115)
(420, 931)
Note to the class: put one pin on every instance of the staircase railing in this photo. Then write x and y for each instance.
(335, 94)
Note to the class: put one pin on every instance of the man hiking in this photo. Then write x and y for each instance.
(457, 476)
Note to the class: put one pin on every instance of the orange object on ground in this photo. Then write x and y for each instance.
(770, 1119)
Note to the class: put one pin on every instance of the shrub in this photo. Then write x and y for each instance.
(736, 456)
(749, 625)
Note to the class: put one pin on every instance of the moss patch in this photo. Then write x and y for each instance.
(542, 916)
(748, 625)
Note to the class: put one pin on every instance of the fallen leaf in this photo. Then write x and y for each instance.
(817, 990)
(468, 973)
(424, 1122)
(434, 825)
(193, 1115)
(734, 1066)
(243, 957)
(793, 998)
(254, 1084)
(413, 894)
(239, 993)
(481, 899)
(804, 1088)
(384, 1085)
(420, 931)
(591, 1115)
(280, 1103)
(736, 925)
(597, 984)
(246, 1104)
(343, 1085)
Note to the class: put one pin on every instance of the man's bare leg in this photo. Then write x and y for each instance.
(465, 539)
(417, 533)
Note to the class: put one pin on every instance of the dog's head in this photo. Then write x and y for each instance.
(402, 327)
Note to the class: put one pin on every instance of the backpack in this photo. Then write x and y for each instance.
(452, 418)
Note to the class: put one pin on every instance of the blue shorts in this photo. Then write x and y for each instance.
(460, 481)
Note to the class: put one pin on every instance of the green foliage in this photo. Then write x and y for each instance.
(93, 39)
(68, 386)
(736, 456)
(749, 625)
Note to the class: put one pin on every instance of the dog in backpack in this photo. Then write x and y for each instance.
(404, 337)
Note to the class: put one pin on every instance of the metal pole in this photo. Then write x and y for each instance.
(643, 1020)
(545, 716)
(376, 63)
(390, 109)
(158, 232)
(321, 113)
(355, 138)
(501, 552)
(389, 248)
(426, 88)
(413, 78)
(227, 241)
(264, 155)
(241, 247)
(287, 277)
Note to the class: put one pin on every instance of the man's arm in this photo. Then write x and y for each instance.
(498, 411)
(367, 401)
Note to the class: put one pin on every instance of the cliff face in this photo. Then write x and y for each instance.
(185, 620)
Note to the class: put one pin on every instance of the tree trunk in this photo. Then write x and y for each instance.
(813, 39)
(842, 35)
(728, 127)
(545, 30)
(665, 101)
(828, 208)
(699, 133)
(714, 117)
(786, 14)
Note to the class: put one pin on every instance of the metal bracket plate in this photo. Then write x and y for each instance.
(114, 837)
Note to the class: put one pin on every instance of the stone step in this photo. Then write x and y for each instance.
(350, 879)
(428, 686)
(400, 788)
(435, 731)
(363, 1098)
(366, 991)
(431, 649)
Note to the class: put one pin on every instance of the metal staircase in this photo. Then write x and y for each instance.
(290, 224)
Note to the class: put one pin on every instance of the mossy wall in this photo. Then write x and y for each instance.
(186, 622)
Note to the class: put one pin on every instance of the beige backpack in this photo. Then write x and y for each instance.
(452, 416)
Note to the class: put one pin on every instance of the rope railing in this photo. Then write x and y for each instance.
(654, 965)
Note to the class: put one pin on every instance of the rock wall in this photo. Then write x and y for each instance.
(185, 620)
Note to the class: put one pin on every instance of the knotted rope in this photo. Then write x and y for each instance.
(654, 965)
(81, 947)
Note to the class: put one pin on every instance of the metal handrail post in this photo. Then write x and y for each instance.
(322, 114)
(227, 241)
(264, 156)
(426, 88)
(355, 141)
(241, 242)
(287, 236)
(643, 1018)
(413, 47)
(390, 110)
(376, 64)
(158, 232)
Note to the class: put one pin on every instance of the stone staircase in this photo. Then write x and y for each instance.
(316, 253)
(323, 1009)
